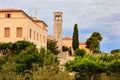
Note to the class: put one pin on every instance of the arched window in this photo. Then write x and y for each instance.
(59, 17)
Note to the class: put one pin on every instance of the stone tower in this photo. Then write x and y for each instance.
(58, 29)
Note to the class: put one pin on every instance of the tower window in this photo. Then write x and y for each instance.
(59, 17)
(56, 17)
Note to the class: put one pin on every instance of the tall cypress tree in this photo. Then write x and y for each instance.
(75, 39)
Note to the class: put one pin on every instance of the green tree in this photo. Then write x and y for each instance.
(70, 51)
(6, 48)
(93, 43)
(25, 59)
(88, 66)
(115, 66)
(115, 51)
(52, 46)
(64, 48)
(75, 39)
(80, 52)
(14, 48)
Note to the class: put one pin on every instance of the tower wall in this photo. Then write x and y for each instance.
(58, 29)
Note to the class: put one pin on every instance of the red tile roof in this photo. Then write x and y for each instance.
(82, 43)
(67, 38)
(36, 20)
(9, 9)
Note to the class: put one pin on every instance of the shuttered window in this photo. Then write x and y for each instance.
(19, 32)
(7, 32)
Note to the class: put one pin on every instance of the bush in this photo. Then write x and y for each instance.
(52, 46)
(64, 48)
(14, 48)
(80, 52)
(115, 51)
(25, 59)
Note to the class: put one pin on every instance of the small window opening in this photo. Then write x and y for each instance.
(8, 15)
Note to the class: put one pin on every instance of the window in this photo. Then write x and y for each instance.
(30, 33)
(37, 36)
(8, 16)
(44, 38)
(7, 32)
(40, 38)
(19, 32)
(34, 35)
(59, 17)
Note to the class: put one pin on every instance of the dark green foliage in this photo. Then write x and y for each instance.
(14, 48)
(6, 47)
(52, 46)
(80, 52)
(64, 48)
(96, 51)
(75, 41)
(30, 56)
(2, 61)
(115, 51)
(32, 65)
(70, 51)
(50, 59)
(25, 59)
(93, 43)
(97, 35)
(115, 66)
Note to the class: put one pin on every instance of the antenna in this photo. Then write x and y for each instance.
(35, 10)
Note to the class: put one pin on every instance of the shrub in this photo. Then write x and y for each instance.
(80, 52)
(64, 48)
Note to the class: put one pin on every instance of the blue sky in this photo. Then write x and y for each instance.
(102, 16)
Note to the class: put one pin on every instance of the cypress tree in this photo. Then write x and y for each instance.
(75, 40)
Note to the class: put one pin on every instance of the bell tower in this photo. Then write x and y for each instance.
(58, 29)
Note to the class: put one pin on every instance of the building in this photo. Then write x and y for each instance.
(58, 29)
(67, 41)
(17, 25)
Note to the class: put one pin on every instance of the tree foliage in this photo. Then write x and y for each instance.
(88, 66)
(93, 43)
(14, 48)
(75, 39)
(91, 67)
(52, 46)
(32, 64)
(31, 56)
(80, 52)
(64, 48)
(115, 51)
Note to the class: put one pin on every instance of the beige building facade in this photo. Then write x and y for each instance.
(67, 41)
(17, 25)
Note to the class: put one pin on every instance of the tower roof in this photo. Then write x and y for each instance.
(58, 12)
